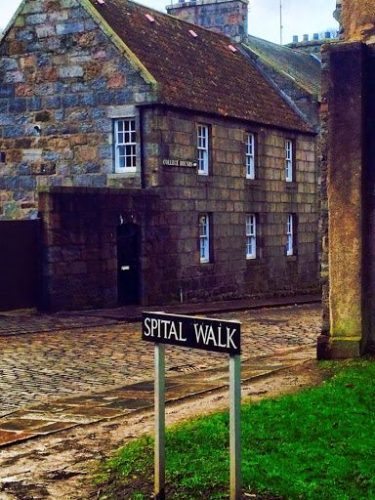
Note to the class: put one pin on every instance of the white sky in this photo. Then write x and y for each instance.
(299, 16)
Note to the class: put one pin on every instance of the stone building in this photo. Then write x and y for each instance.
(348, 185)
(312, 45)
(161, 162)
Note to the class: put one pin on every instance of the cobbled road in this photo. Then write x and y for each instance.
(83, 358)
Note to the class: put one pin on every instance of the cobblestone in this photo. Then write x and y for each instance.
(104, 355)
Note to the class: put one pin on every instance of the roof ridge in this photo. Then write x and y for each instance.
(282, 47)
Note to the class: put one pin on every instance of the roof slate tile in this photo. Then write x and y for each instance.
(199, 73)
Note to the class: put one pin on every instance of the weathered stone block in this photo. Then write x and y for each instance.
(71, 72)
(45, 31)
(68, 28)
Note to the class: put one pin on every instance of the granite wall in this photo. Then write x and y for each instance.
(229, 196)
(358, 20)
(229, 17)
(61, 84)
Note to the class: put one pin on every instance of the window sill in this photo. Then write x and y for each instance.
(204, 178)
(291, 258)
(291, 185)
(252, 262)
(253, 182)
(206, 266)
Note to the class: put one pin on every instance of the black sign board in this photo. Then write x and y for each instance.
(180, 163)
(194, 332)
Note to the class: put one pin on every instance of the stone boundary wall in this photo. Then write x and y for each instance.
(80, 246)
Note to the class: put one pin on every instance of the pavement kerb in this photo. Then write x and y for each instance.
(134, 314)
(28, 322)
(33, 433)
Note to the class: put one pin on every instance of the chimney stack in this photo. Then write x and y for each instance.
(229, 17)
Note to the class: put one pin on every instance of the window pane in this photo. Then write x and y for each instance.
(288, 160)
(290, 235)
(251, 236)
(202, 145)
(204, 240)
(250, 158)
(126, 144)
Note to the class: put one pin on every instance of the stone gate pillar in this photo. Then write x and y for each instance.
(344, 110)
(348, 186)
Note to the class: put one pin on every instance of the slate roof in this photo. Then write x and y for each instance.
(198, 73)
(304, 69)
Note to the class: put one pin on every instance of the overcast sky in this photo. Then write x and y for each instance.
(299, 16)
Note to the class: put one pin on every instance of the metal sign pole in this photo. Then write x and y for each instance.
(159, 422)
(235, 426)
(208, 334)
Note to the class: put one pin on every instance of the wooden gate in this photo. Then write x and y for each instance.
(19, 264)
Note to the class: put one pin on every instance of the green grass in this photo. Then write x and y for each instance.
(317, 444)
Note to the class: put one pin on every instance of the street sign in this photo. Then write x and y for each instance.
(167, 162)
(190, 331)
(199, 333)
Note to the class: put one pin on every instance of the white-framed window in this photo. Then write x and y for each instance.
(251, 236)
(203, 149)
(250, 156)
(204, 238)
(125, 145)
(289, 160)
(290, 234)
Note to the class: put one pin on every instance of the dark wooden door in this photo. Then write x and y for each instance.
(19, 264)
(128, 250)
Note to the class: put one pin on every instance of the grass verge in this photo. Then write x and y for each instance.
(316, 444)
